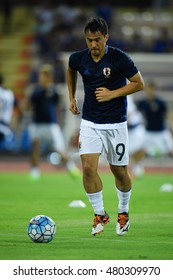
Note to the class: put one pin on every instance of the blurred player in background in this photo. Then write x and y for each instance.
(7, 105)
(136, 131)
(158, 139)
(44, 101)
(104, 118)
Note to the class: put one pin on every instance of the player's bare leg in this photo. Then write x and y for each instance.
(123, 188)
(72, 168)
(35, 155)
(91, 180)
(93, 186)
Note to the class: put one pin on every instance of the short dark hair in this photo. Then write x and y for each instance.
(96, 24)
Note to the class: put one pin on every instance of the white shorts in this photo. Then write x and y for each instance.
(112, 143)
(6, 131)
(158, 143)
(49, 133)
(136, 138)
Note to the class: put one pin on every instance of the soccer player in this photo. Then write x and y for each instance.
(137, 133)
(7, 104)
(158, 139)
(103, 129)
(44, 100)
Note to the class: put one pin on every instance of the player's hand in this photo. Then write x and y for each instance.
(103, 94)
(73, 107)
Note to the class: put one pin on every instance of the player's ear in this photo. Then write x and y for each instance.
(107, 37)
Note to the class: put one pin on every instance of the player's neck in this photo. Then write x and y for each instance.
(98, 57)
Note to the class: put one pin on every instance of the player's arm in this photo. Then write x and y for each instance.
(25, 104)
(71, 83)
(136, 83)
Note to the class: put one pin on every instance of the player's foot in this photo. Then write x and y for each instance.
(34, 173)
(138, 171)
(99, 222)
(75, 173)
(123, 223)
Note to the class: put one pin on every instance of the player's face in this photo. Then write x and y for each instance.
(96, 43)
(44, 79)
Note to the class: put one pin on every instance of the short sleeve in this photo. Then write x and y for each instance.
(73, 62)
(127, 65)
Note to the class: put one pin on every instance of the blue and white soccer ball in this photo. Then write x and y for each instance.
(41, 229)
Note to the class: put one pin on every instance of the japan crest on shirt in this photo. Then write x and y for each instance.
(106, 72)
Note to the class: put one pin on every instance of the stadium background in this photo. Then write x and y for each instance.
(47, 31)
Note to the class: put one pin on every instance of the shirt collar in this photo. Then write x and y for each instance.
(106, 50)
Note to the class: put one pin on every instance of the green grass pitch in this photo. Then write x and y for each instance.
(151, 215)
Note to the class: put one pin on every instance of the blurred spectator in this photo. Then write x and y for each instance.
(138, 43)
(7, 10)
(44, 17)
(163, 43)
(44, 102)
(58, 27)
(104, 10)
(157, 5)
(158, 139)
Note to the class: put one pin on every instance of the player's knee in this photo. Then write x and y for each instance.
(88, 170)
(120, 172)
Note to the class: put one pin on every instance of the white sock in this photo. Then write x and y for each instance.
(96, 200)
(70, 165)
(123, 201)
(35, 172)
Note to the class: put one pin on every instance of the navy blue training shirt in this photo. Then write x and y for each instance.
(154, 113)
(44, 103)
(110, 72)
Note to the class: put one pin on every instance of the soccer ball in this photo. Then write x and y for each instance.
(41, 229)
